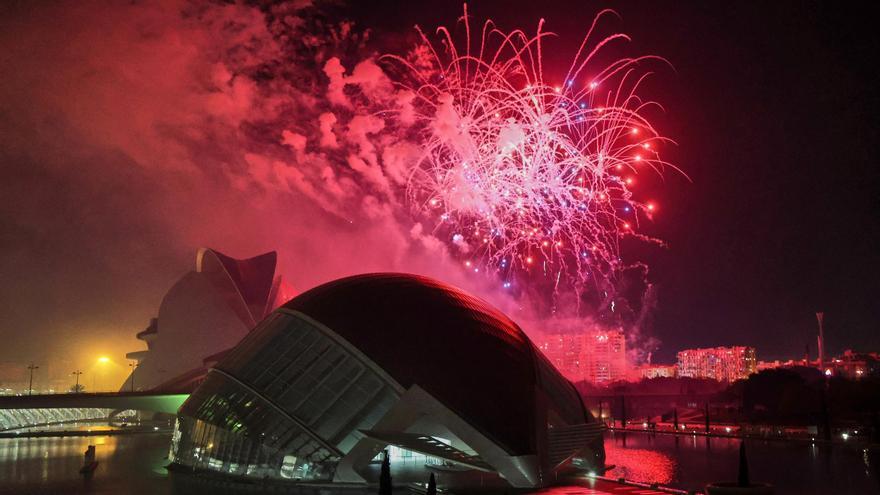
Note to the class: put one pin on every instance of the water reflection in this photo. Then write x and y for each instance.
(690, 462)
(51, 464)
(133, 464)
(48, 458)
(640, 464)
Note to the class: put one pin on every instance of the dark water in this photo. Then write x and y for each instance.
(128, 464)
(134, 464)
(689, 462)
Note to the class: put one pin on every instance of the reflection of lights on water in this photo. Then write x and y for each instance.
(639, 464)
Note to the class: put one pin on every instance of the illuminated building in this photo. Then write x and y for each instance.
(204, 313)
(725, 364)
(564, 351)
(330, 379)
(595, 356)
(853, 365)
(650, 371)
(776, 364)
(604, 356)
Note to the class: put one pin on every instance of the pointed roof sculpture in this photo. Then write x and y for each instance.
(206, 312)
(254, 278)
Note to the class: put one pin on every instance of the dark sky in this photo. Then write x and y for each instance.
(772, 104)
(775, 111)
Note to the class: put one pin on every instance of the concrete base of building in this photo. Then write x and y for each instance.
(732, 488)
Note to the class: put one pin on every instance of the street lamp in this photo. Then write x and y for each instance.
(76, 389)
(133, 367)
(31, 383)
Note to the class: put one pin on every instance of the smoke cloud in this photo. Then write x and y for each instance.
(133, 133)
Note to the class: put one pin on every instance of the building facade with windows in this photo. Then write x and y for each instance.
(358, 365)
(726, 364)
(593, 356)
(651, 371)
(853, 365)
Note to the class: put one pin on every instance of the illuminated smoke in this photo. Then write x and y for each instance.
(138, 132)
(530, 179)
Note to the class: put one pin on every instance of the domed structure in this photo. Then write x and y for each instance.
(344, 370)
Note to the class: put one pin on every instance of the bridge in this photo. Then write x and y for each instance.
(29, 411)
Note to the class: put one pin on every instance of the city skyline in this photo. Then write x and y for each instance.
(598, 357)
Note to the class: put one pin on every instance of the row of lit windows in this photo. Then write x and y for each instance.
(289, 365)
(232, 431)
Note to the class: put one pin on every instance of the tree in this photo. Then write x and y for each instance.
(432, 486)
(385, 476)
(742, 478)
(788, 396)
(77, 389)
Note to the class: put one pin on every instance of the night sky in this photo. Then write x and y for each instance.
(773, 107)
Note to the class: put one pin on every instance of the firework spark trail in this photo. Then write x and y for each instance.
(521, 174)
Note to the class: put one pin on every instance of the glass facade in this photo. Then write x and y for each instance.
(287, 403)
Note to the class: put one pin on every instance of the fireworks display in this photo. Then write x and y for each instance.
(527, 177)
(467, 148)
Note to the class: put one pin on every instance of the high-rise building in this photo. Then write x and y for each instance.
(725, 364)
(564, 351)
(594, 356)
(604, 356)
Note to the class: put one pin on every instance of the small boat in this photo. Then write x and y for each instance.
(89, 462)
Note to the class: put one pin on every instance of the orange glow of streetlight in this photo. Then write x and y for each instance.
(103, 359)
